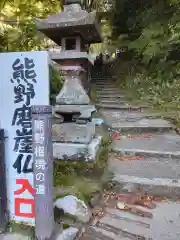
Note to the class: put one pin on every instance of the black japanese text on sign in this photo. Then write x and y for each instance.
(23, 78)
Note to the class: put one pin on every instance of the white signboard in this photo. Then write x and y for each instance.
(24, 82)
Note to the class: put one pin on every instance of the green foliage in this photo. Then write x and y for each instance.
(93, 95)
(93, 169)
(17, 30)
(56, 82)
(21, 228)
(150, 32)
(72, 176)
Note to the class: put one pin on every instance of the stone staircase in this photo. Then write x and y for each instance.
(145, 162)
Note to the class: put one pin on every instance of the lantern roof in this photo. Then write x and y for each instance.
(73, 21)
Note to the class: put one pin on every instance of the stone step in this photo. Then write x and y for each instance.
(155, 145)
(116, 213)
(103, 85)
(117, 101)
(111, 101)
(116, 115)
(119, 106)
(100, 78)
(159, 187)
(102, 82)
(110, 97)
(107, 91)
(131, 229)
(153, 175)
(117, 224)
(98, 233)
(164, 225)
(139, 127)
(136, 123)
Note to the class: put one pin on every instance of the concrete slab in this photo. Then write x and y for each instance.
(77, 151)
(141, 125)
(155, 172)
(122, 225)
(103, 85)
(107, 90)
(134, 229)
(101, 81)
(146, 167)
(115, 116)
(155, 145)
(111, 101)
(152, 175)
(161, 187)
(109, 96)
(119, 106)
(165, 224)
(73, 132)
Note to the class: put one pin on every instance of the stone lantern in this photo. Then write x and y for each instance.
(73, 29)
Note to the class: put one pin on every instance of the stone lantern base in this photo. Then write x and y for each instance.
(67, 146)
(74, 136)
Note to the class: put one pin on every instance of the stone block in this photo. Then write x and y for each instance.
(72, 92)
(85, 111)
(73, 133)
(156, 145)
(76, 151)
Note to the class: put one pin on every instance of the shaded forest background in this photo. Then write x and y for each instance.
(146, 31)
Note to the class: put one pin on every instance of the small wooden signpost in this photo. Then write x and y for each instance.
(43, 171)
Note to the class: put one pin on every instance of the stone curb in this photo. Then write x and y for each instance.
(145, 129)
(160, 187)
(147, 153)
(120, 107)
(105, 96)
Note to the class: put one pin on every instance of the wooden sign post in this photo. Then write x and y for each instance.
(43, 171)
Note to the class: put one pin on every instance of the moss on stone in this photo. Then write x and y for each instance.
(65, 170)
(79, 178)
(93, 95)
(65, 226)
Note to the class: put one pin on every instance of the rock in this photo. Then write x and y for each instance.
(68, 234)
(74, 206)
